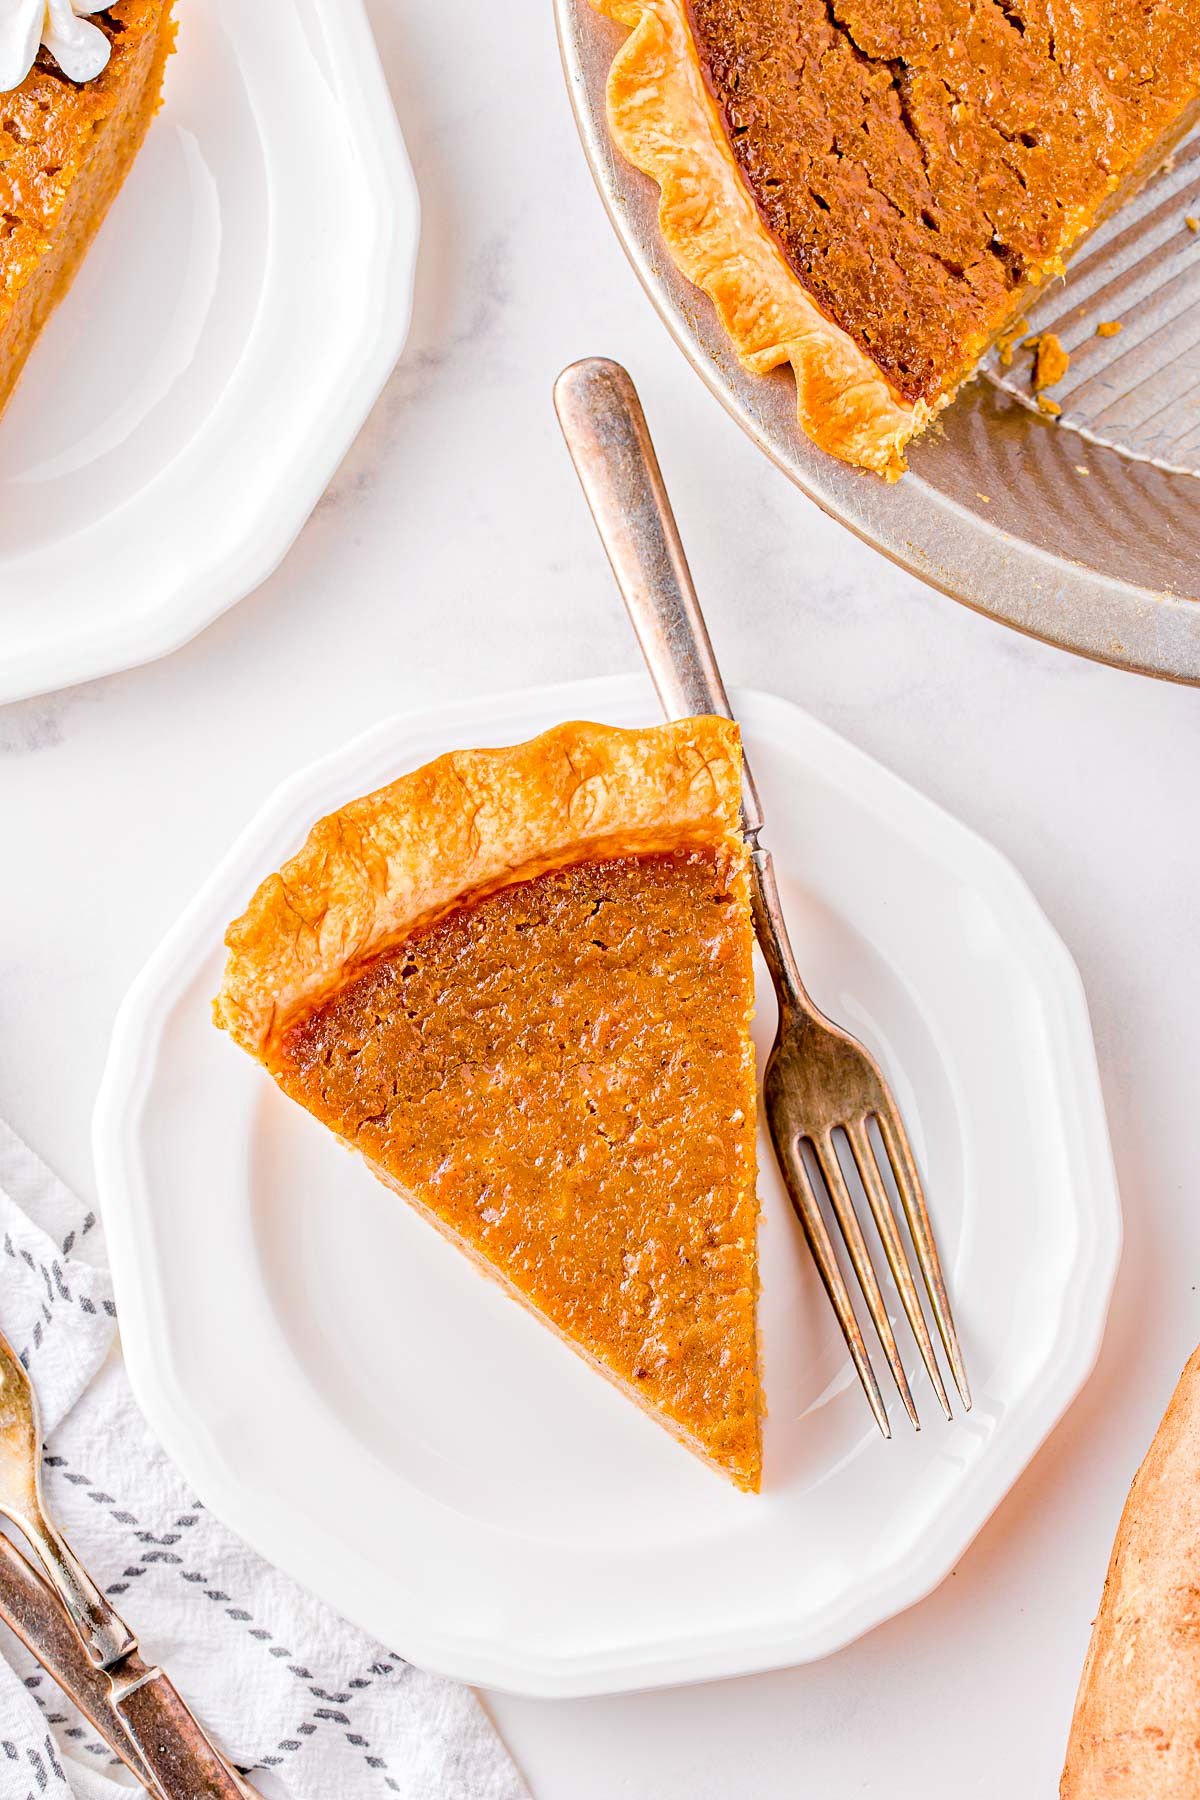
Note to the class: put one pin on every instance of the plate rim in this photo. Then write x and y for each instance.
(199, 596)
(1140, 629)
(489, 1661)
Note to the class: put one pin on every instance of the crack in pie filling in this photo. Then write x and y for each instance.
(874, 190)
(518, 982)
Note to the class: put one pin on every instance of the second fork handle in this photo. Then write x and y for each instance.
(182, 1760)
(606, 432)
(33, 1611)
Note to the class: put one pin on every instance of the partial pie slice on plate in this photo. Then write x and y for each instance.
(519, 983)
(66, 146)
(874, 190)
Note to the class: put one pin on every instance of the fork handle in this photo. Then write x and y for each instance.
(31, 1610)
(183, 1762)
(105, 1635)
(609, 441)
(179, 1758)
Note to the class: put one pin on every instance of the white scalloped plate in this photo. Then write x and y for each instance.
(226, 337)
(345, 1390)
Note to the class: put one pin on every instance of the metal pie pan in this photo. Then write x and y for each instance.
(1084, 531)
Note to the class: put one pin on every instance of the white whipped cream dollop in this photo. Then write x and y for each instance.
(80, 49)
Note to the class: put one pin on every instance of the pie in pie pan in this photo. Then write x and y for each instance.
(874, 193)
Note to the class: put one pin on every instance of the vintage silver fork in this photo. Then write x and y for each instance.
(157, 1734)
(819, 1081)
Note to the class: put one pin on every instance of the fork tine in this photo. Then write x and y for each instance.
(860, 1258)
(908, 1183)
(804, 1201)
(893, 1245)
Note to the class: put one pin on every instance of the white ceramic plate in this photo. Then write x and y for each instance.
(345, 1390)
(233, 324)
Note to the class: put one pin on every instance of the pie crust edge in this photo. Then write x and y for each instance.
(664, 120)
(462, 826)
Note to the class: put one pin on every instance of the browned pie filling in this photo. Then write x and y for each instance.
(920, 162)
(64, 151)
(558, 1072)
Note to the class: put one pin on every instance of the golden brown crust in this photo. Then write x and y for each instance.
(1136, 1730)
(467, 823)
(664, 120)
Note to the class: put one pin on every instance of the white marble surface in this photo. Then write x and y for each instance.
(453, 556)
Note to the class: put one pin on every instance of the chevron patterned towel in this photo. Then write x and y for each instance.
(308, 1705)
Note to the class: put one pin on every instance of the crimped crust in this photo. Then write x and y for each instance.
(664, 120)
(464, 825)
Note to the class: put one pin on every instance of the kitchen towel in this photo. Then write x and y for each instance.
(307, 1704)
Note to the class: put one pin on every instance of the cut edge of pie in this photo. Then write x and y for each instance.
(426, 853)
(664, 120)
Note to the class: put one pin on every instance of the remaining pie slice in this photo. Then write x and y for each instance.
(65, 149)
(519, 982)
(872, 190)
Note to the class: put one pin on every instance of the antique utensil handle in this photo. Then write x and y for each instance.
(182, 1761)
(106, 1637)
(31, 1609)
(148, 1716)
(609, 440)
(152, 1733)
(170, 1743)
(185, 1766)
(606, 432)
